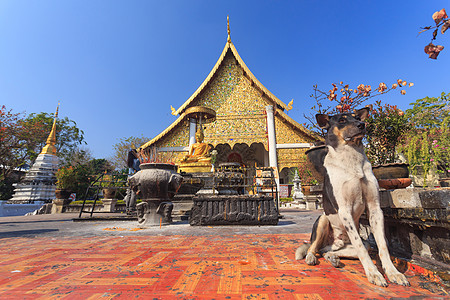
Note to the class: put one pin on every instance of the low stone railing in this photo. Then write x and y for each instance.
(417, 222)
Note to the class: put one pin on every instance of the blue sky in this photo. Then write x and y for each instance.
(117, 66)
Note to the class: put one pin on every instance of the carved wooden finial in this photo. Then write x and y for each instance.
(228, 28)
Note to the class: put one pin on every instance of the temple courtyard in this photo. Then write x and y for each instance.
(54, 257)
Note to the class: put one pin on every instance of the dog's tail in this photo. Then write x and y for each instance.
(301, 251)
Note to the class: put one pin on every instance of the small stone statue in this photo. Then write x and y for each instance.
(297, 190)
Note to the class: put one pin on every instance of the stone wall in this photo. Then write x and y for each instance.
(417, 222)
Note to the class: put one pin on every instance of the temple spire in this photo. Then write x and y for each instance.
(228, 29)
(50, 148)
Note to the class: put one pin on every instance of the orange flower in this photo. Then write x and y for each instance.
(445, 26)
(332, 96)
(403, 92)
(439, 15)
(382, 87)
(432, 50)
(394, 86)
(411, 84)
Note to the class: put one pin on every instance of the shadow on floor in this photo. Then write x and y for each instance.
(25, 233)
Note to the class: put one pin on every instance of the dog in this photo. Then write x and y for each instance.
(350, 188)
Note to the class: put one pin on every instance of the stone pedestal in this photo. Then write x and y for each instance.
(208, 179)
(311, 202)
(154, 213)
(182, 205)
(301, 204)
(109, 205)
(195, 167)
(58, 206)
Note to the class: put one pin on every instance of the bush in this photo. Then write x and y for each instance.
(286, 199)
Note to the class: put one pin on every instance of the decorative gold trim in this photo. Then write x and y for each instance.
(290, 105)
(207, 115)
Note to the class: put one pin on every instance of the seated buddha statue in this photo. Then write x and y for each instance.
(199, 151)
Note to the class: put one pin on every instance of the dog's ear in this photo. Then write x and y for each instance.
(323, 121)
(363, 113)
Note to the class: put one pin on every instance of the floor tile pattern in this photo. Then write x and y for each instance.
(184, 267)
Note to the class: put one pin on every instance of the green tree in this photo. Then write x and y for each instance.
(428, 145)
(68, 135)
(84, 169)
(22, 138)
(428, 113)
(119, 158)
(16, 137)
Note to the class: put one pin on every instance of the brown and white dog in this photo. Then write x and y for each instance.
(350, 188)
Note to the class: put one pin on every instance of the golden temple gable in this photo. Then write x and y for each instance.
(240, 131)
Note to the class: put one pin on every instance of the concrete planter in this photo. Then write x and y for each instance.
(109, 193)
(109, 205)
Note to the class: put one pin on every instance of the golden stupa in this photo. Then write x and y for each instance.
(49, 147)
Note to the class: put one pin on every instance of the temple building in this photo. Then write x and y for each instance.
(39, 183)
(251, 124)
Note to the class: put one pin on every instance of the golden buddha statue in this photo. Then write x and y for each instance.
(199, 151)
(198, 158)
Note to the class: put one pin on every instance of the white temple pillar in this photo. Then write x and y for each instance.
(271, 137)
(192, 130)
(273, 161)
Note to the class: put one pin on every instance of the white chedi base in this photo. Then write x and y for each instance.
(39, 182)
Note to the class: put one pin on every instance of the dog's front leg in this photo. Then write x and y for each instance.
(376, 220)
(370, 269)
(348, 198)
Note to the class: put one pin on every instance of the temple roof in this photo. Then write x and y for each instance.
(229, 46)
(230, 49)
(162, 134)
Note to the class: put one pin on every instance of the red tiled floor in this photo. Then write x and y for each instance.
(184, 267)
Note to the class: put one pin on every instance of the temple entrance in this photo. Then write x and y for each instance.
(287, 175)
(253, 155)
(235, 157)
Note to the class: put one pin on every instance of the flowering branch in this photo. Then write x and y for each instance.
(349, 99)
(442, 21)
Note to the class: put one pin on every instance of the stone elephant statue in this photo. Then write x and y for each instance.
(155, 183)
